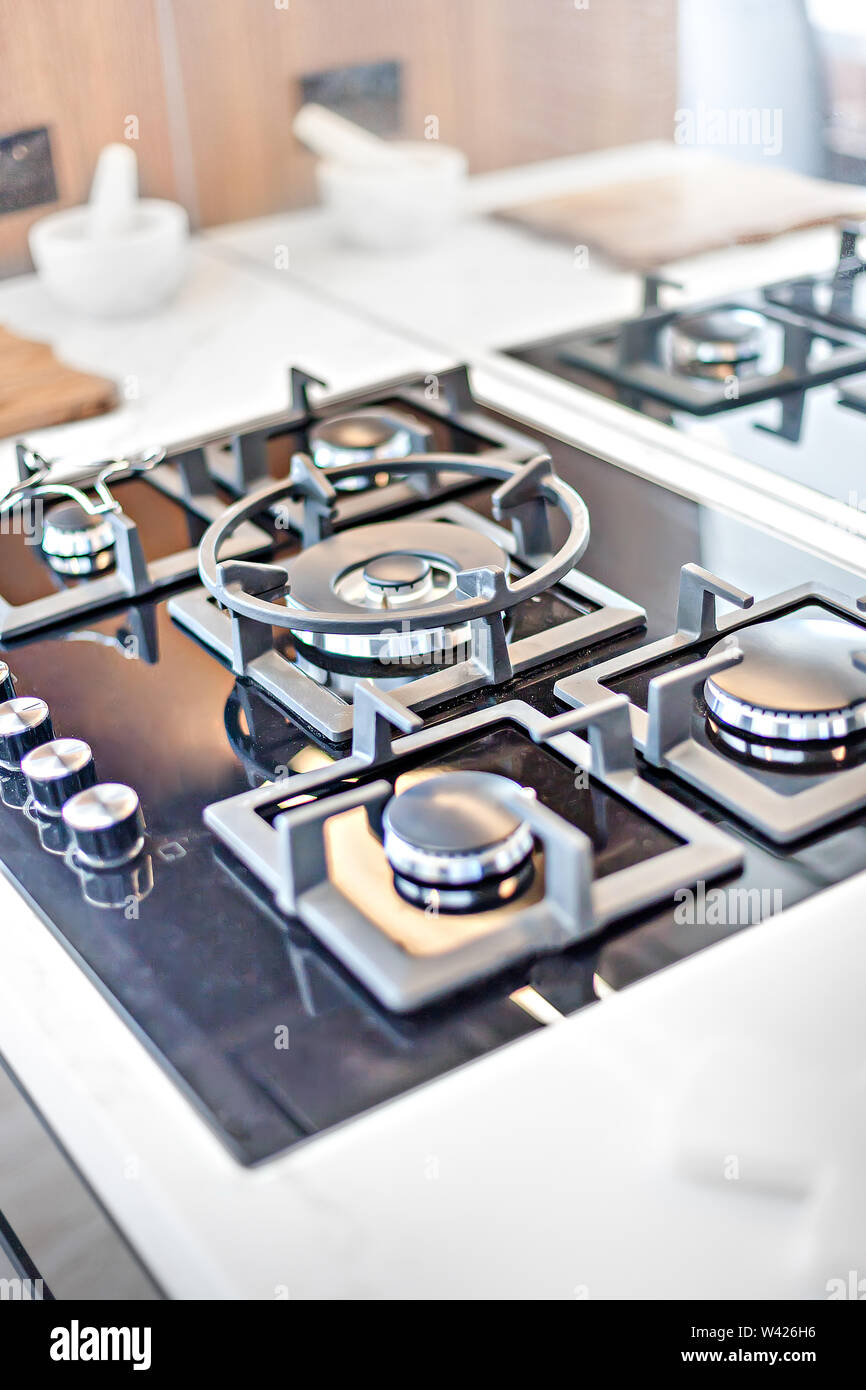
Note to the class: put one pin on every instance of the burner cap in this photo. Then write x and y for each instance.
(388, 566)
(797, 680)
(358, 438)
(451, 832)
(718, 337)
(396, 571)
(74, 541)
(333, 574)
(354, 432)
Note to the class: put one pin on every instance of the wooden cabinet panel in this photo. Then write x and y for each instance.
(81, 69)
(214, 85)
(508, 80)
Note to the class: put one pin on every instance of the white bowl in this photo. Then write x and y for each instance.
(127, 273)
(396, 207)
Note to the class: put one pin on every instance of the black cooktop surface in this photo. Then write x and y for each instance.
(267, 1033)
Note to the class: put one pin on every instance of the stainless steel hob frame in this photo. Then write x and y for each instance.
(183, 476)
(288, 853)
(663, 731)
(246, 644)
(238, 458)
(619, 351)
(798, 292)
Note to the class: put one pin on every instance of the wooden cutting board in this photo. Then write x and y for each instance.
(716, 203)
(37, 389)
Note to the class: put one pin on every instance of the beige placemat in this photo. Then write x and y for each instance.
(647, 222)
(36, 389)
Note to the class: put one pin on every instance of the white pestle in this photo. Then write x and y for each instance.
(341, 141)
(113, 207)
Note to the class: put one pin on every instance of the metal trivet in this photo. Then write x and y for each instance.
(631, 353)
(88, 486)
(234, 616)
(829, 296)
(665, 733)
(238, 458)
(289, 852)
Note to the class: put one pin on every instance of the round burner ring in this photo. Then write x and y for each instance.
(483, 593)
(798, 680)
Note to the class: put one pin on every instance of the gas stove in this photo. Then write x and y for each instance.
(775, 375)
(442, 741)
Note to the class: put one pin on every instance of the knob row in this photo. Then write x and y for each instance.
(104, 818)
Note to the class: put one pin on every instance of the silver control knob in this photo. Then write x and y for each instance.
(7, 682)
(106, 824)
(25, 723)
(58, 770)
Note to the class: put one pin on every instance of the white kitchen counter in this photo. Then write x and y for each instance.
(217, 355)
(492, 285)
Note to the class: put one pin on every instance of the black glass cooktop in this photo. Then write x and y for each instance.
(267, 1034)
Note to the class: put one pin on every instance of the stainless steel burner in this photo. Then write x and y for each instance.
(454, 845)
(361, 437)
(76, 542)
(385, 567)
(791, 683)
(718, 339)
(797, 682)
(398, 573)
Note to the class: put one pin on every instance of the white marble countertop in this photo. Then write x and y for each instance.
(216, 355)
(490, 284)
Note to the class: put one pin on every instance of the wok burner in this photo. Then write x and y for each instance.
(358, 570)
(437, 605)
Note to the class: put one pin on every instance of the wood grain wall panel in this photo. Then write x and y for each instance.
(552, 79)
(241, 72)
(81, 67)
(508, 80)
